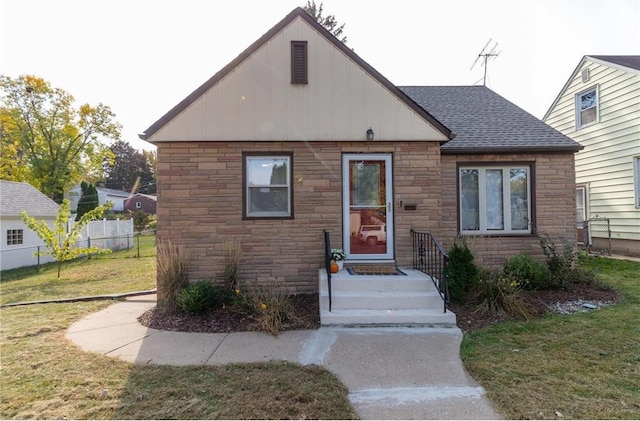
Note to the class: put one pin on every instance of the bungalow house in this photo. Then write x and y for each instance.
(299, 135)
(18, 242)
(141, 202)
(599, 107)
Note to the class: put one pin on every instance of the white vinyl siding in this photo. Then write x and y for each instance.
(257, 101)
(606, 163)
(636, 180)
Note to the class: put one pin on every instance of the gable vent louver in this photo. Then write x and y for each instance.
(585, 75)
(299, 62)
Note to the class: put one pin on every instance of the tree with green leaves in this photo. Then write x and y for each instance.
(329, 22)
(129, 170)
(88, 199)
(58, 242)
(54, 143)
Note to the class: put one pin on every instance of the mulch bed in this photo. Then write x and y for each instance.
(306, 313)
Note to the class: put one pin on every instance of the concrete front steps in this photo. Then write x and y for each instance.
(382, 300)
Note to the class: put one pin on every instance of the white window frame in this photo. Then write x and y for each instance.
(248, 213)
(15, 237)
(506, 200)
(138, 205)
(596, 105)
(636, 180)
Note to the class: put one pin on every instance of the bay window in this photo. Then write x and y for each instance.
(495, 199)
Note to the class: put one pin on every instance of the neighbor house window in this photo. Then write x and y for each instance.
(268, 191)
(138, 205)
(495, 200)
(299, 62)
(587, 107)
(14, 237)
(636, 180)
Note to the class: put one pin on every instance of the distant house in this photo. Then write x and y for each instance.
(299, 135)
(599, 107)
(141, 202)
(117, 197)
(18, 242)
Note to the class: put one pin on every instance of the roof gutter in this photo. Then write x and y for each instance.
(509, 150)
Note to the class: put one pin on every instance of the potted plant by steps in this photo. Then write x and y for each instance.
(338, 256)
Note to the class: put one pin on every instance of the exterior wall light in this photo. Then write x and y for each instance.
(370, 134)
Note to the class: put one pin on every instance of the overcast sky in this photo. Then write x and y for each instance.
(142, 57)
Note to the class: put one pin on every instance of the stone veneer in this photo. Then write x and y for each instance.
(200, 205)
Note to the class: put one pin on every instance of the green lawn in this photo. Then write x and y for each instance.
(46, 376)
(584, 366)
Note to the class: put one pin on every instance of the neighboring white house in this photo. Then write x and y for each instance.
(117, 197)
(18, 241)
(599, 107)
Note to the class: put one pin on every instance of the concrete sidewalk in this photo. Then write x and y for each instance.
(391, 373)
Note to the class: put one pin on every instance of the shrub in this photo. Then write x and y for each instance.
(563, 266)
(173, 274)
(462, 272)
(270, 305)
(201, 296)
(497, 292)
(530, 272)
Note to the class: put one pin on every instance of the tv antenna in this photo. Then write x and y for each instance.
(486, 56)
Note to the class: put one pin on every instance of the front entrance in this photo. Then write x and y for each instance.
(367, 199)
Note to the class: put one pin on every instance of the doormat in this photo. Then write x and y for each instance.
(375, 270)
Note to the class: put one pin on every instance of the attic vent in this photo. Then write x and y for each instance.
(585, 75)
(299, 62)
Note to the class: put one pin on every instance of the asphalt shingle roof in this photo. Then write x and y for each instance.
(17, 197)
(485, 122)
(632, 62)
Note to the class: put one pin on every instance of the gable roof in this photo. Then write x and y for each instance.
(624, 63)
(630, 62)
(147, 196)
(113, 192)
(16, 197)
(296, 13)
(485, 122)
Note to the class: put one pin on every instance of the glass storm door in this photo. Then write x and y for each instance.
(367, 206)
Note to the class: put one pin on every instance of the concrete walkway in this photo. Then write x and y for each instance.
(391, 373)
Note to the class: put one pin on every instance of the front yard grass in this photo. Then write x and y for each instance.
(45, 376)
(579, 366)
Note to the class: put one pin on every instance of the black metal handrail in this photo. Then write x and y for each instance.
(327, 262)
(430, 258)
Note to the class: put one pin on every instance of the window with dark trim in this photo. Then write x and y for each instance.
(299, 62)
(495, 199)
(14, 237)
(268, 191)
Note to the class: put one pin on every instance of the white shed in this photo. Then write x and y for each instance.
(18, 242)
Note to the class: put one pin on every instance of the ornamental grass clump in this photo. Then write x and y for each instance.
(173, 274)
(270, 305)
(497, 292)
(232, 258)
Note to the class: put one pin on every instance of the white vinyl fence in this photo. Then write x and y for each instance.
(113, 235)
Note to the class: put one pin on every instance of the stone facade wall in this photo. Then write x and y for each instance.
(554, 206)
(200, 204)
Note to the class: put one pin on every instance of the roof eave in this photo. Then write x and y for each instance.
(510, 150)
